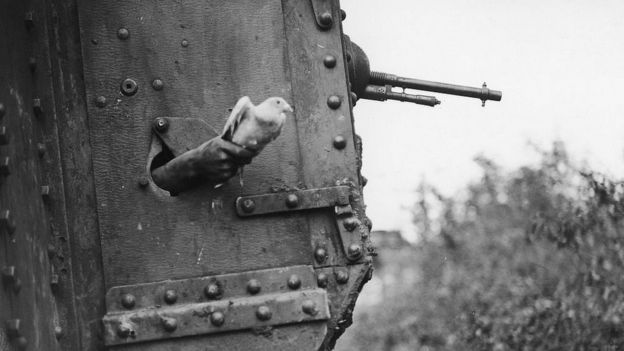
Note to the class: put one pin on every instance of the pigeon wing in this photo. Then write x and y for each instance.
(238, 114)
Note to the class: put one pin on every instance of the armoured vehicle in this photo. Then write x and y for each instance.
(94, 255)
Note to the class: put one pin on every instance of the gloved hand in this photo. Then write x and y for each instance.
(213, 162)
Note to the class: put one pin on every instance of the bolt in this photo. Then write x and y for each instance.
(253, 286)
(100, 101)
(41, 149)
(123, 33)
(354, 251)
(128, 301)
(170, 324)
(350, 223)
(217, 318)
(343, 15)
(213, 291)
(161, 124)
(124, 330)
(326, 20)
(248, 206)
(340, 142)
(320, 254)
(171, 297)
(294, 282)
(184, 43)
(28, 20)
(6, 221)
(8, 274)
(309, 307)
(129, 87)
(264, 313)
(329, 61)
(333, 102)
(32, 64)
(4, 166)
(13, 328)
(157, 84)
(292, 201)
(322, 279)
(342, 276)
(58, 332)
(2, 110)
(143, 181)
(45, 192)
(37, 107)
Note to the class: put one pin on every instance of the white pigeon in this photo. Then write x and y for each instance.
(253, 127)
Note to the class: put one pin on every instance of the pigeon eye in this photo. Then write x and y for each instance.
(278, 102)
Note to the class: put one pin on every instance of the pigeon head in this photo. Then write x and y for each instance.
(279, 104)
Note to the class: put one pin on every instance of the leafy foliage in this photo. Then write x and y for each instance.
(527, 260)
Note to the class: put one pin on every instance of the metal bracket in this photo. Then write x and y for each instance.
(209, 305)
(323, 13)
(336, 197)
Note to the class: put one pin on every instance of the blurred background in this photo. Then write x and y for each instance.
(498, 227)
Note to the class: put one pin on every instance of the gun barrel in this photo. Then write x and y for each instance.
(382, 93)
(483, 93)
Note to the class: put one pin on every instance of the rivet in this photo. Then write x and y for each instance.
(340, 142)
(354, 251)
(213, 291)
(13, 328)
(329, 61)
(129, 87)
(100, 101)
(292, 201)
(157, 84)
(326, 20)
(22, 343)
(94, 41)
(4, 137)
(343, 15)
(264, 313)
(248, 206)
(348, 57)
(322, 280)
(320, 254)
(4, 166)
(309, 307)
(253, 286)
(123, 33)
(161, 124)
(294, 282)
(51, 251)
(124, 330)
(217, 318)
(41, 149)
(364, 181)
(8, 274)
(128, 301)
(45, 192)
(350, 223)
(143, 181)
(32, 64)
(54, 282)
(169, 324)
(17, 286)
(37, 108)
(342, 276)
(184, 43)
(333, 102)
(2, 110)
(58, 332)
(7, 222)
(28, 20)
(171, 297)
(368, 223)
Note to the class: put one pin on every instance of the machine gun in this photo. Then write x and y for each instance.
(371, 85)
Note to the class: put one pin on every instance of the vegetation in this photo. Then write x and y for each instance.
(527, 260)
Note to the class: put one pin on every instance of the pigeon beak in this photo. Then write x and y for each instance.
(288, 108)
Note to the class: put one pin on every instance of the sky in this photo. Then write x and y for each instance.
(559, 64)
